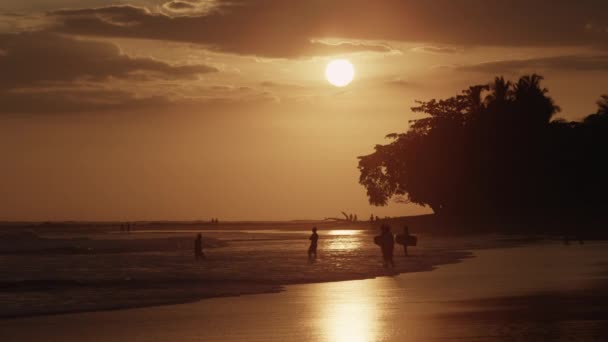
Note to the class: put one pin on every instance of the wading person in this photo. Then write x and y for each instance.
(198, 247)
(387, 241)
(312, 250)
(404, 240)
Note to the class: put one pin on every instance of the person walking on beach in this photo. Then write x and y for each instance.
(312, 250)
(198, 247)
(388, 245)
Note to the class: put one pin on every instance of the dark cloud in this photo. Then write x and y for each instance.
(43, 72)
(179, 5)
(277, 28)
(562, 63)
(241, 30)
(32, 58)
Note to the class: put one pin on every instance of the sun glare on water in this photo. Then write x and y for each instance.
(339, 72)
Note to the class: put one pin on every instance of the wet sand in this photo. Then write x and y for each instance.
(538, 292)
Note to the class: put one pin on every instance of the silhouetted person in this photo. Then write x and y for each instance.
(198, 247)
(312, 250)
(387, 244)
(406, 234)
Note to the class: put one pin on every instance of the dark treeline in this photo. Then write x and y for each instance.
(495, 151)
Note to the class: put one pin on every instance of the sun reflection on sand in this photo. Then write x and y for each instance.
(349, 312)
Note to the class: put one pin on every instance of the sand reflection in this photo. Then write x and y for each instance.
(348, 311)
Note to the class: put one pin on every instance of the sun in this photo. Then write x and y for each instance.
(339, 72)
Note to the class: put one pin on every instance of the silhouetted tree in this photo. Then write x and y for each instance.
(603, 105)
(494, 149)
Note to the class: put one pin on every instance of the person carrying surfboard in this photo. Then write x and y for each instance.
(406, 239)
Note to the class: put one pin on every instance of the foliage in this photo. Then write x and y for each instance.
(494, 149)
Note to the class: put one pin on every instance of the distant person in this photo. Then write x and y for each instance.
(387, 245)
(371, 218)
(312, 250)
(198, 247)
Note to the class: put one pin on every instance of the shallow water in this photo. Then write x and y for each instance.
(67, 274)
(331, 232)
(501, 294)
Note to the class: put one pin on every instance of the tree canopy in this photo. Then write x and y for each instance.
(494, 149)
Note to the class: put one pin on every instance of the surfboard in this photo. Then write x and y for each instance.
(408, 240)
(378, 240)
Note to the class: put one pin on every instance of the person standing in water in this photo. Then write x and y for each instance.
(312, 250)
(198, 247)
(406, 234)
(388, 245)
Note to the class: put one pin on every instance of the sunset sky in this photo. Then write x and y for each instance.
(192, 109)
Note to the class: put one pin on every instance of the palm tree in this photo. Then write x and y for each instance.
(531, 100)
(603, 105)
(500, 91)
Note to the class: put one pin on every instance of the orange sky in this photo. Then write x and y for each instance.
(145, 110)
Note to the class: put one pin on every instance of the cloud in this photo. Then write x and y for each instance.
(48, 73)
(188, 7)
(241, 30)
(400, 83)
(179, 5)
(67, 60)
(277, 28)
(281, 86)
(563, 63)
(236, 33)
(320, 47)
(436, 50)
(45, 72)
(96, 99)
(55, 101)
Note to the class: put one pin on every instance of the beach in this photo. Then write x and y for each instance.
(545, 291)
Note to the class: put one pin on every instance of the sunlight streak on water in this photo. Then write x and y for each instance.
(348, 232)
(342, 243)
(331, 232)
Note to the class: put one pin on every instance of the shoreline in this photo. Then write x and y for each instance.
(197, 290)
(91, 296)
(533, 292)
